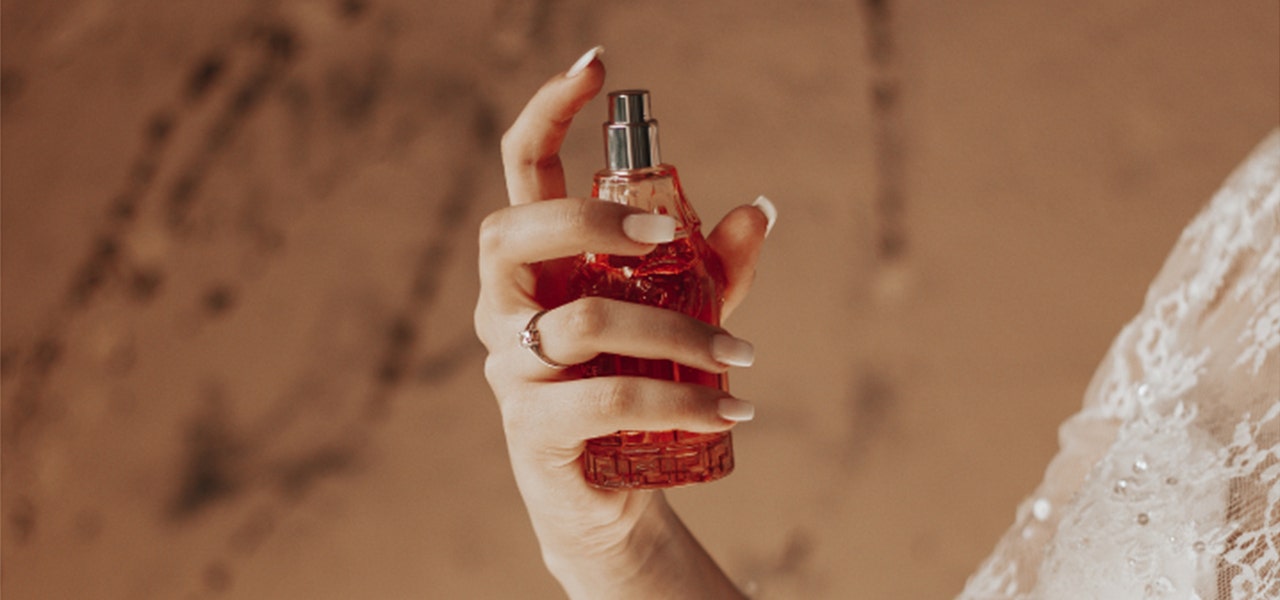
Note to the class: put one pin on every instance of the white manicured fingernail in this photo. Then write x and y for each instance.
(732, 351)
(584, 60)
(733, 409)
(648, 228)
(770, 212)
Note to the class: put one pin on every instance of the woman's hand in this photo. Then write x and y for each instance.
(598, 542)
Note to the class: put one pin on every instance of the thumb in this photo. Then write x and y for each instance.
(738, 239)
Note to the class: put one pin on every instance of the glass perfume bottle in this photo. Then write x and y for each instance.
(683, 275)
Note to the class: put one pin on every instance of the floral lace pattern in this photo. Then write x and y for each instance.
(1167, 482)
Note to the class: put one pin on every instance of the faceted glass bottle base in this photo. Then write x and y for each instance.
(657, 459)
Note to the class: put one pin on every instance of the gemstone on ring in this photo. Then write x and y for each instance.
(531, 339)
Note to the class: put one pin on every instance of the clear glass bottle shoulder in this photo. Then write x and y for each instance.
(655, 189)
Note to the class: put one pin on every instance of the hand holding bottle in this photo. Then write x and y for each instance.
(630, 542)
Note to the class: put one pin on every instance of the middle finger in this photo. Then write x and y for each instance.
(520, 235)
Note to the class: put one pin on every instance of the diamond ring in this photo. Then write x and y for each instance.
(531, 339)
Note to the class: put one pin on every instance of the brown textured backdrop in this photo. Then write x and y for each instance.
(238, 254)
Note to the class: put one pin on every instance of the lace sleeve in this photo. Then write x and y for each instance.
(1167, 482)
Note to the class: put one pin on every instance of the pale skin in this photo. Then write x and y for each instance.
(598, 543)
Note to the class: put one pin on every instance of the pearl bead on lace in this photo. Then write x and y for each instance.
(1140, 464)
(1041, 509)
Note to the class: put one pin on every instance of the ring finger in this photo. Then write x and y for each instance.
(582, 329)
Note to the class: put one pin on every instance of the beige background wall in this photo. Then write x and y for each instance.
(238, 255)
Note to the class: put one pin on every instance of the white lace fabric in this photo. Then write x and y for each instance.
(1167, 482)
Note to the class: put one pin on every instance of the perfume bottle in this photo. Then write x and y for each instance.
(683, 275)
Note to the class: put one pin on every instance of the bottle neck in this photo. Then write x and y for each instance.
(654, 189)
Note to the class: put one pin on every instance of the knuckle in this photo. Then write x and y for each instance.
(485, 320)
(479, 317)
(492, 231)
(510, 143)
(494, 371)
(686, 328)
(614, 397)
(587, 318)
(578, 215)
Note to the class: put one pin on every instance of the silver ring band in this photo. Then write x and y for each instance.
(531, 339)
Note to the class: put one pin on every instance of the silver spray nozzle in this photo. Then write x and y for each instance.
(631, 134)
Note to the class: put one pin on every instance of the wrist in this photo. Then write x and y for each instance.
(658, 557)
(604, 561)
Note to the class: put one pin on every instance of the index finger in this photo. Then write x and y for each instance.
(531, 148)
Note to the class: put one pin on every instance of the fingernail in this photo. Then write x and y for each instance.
(732, 351)
(648, 228)
(770, 212)
(584, 60)
(733, 409)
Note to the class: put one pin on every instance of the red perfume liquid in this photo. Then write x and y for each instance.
(684, 275)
